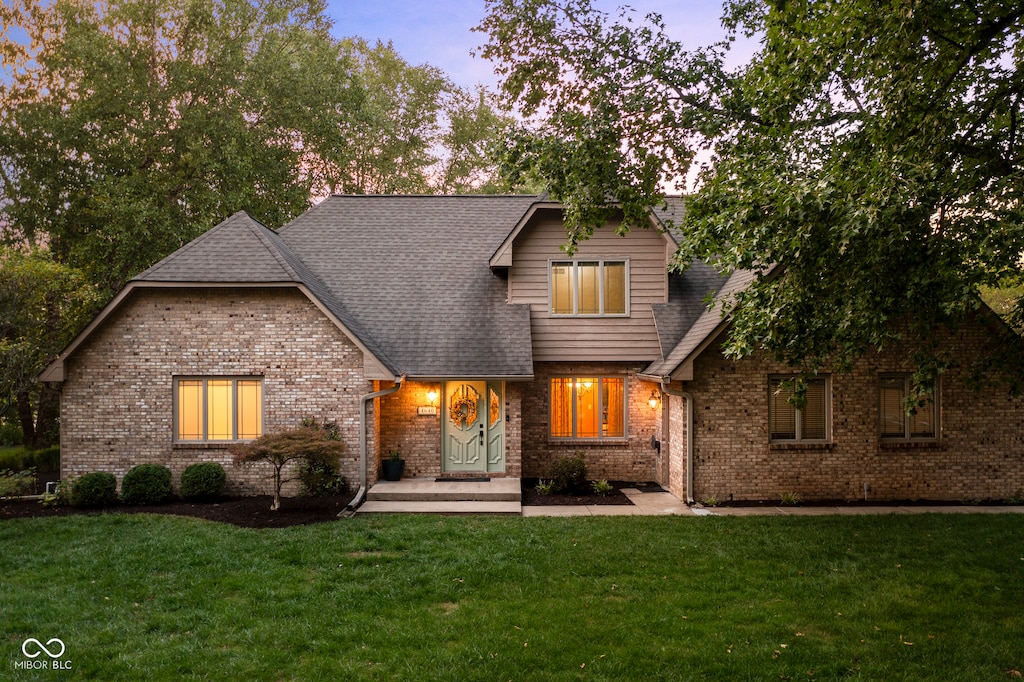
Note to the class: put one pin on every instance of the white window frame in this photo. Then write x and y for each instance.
(773, 384)
(906, 437)
(205, 421)
(574, 262)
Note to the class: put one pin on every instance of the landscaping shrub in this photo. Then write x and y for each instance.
(47, 459)
(203, 481)
(97, 489)
(146, 484)
(319, 479)
(602, 487)
(569, 474)
(306, 444)
(16, 483)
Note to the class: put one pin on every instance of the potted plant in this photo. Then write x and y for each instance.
(394, 466)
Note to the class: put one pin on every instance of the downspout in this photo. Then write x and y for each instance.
(357, 500)
(689, 435)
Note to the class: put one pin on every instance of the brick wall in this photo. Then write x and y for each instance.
(633, 460)
(117, 399)
(979, 454)
(418, 437)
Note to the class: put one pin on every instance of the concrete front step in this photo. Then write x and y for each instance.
(429, 490)
(439, 507)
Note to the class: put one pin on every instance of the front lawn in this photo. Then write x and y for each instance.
(926, 597)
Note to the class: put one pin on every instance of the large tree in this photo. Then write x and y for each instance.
(873, 151)
(42, 305)
(129, 127)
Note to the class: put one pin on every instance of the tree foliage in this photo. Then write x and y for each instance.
(306, 444)
(129, 127)
(872, 150)
(42, 305)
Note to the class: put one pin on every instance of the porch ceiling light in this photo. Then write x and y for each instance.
(654, 400)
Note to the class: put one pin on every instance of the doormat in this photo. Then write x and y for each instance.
(462, 480)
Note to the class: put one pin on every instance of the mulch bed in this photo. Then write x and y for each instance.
(531, 498)
(247, 512)
(254, 512)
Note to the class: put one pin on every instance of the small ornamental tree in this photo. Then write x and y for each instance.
(306, 444)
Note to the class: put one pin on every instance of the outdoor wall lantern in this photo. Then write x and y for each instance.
(431, 409)
(654, 400)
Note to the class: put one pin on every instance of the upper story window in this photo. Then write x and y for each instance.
(896, 424)
(218, 409)
(810, 423)
(589, 287)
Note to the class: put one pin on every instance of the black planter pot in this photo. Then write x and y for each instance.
(393, 469)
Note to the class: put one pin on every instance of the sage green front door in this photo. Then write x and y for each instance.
(473, 431)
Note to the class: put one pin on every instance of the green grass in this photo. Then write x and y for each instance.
(927, 597)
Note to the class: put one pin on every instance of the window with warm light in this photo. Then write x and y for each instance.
(218, 409)
(589, 408)
(595, 288)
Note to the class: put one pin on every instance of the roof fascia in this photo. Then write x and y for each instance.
(660, 227)
(54, 372)
(373, 367)
(471, 377)
(502, 257)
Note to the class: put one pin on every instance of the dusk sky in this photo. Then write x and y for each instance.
(438, 32)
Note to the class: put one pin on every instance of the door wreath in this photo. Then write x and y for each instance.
(462, 407)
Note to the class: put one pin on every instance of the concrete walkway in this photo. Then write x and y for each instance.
(665, 504)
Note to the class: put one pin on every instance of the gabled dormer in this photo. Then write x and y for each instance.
(596, 305)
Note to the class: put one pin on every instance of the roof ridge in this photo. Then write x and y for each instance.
(189, 246)
(259, 230)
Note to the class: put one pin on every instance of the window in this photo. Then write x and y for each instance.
(786, 423)
(220, 409)
(597, 287)
(896, 424)
(588, 407)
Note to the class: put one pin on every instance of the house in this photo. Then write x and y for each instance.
(454, 330)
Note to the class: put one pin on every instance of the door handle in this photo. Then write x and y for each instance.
(481, 434)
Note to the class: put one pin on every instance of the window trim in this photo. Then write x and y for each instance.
(176, 438)
(590, 439)
(906, 437)
(575, 286)
(773, 382)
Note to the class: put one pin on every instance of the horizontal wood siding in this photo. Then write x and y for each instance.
(590, 338)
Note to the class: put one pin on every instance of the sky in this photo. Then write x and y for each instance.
(438, 32)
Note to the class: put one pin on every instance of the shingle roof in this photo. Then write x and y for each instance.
(703, 328)
(408, 276)
(241, 250)
(413, 271)
(686, 302)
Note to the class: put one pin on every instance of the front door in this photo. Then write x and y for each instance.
(474, 426)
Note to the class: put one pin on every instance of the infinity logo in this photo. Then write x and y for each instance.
(42, 648)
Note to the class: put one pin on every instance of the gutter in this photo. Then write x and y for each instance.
(689, 434)
(363, 401)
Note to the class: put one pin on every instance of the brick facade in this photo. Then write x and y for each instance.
(117, 398)
(633, 460)
(418, 437)
(979, 454)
